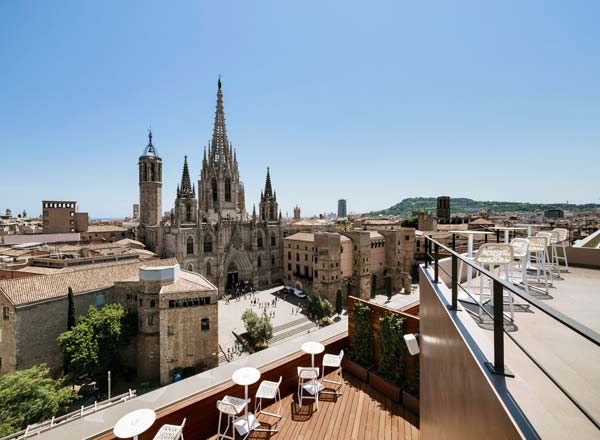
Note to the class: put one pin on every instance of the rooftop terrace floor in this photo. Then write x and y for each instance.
(359, 413)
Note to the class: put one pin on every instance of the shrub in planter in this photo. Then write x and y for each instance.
(410, 395)
(393, 352)
(360, 357)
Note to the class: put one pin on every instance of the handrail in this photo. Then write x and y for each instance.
(576, 326)
(498, 367)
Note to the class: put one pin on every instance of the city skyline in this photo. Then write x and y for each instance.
(364, 90)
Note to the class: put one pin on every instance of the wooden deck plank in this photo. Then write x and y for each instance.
(360, 413)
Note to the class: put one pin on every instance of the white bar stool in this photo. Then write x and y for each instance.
(268, 390)
(170, 432)
(492, 255)
(308, 379)
(333, 361)
(520, 253)
(231, 407)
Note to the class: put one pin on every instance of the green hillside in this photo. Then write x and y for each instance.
(463, 205)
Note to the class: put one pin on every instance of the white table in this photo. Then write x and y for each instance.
(529, 226)
(133, 424)
(507, 230)
(246, 376)
(470, 235)
(312, 348)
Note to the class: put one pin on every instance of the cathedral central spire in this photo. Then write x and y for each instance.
(185, 189)
(219, 147)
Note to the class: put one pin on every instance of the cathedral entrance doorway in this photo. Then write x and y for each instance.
(232, 276)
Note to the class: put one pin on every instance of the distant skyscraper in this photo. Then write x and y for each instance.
(342, 208)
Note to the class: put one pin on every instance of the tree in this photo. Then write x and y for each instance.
(348, 289)
(30, 396)
(71, 312)
(338, 302)
(319, 307)
(410, 222)
(92, 345)
(259, 330)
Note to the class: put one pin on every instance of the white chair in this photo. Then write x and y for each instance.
(333, 361)
(563, 242)
(520, 253)
(231, 407)
(549, 258)
(170, 432)
(268, 390)
(308, 377)
(492, 255)
(538, 255)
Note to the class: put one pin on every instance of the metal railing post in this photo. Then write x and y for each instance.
(454, 282)
(454, 242)
(498, 366)
(497, 236)
(436, 264)
(426, 252)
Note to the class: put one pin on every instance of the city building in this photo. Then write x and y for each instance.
(211, 233)
(177, 315)
(443, 209)
(341, 211)
(62, 216)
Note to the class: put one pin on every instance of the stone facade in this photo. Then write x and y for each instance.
(61, 216)
(177, 316)
(212, 233)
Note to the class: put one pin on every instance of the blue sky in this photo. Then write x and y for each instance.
(370, 101)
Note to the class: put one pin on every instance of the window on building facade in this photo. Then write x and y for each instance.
(259, 241)
(272, 260)
(152, 303)
(204, 324)
(208, 268)
(316, 274)
(228, 189)
(150, 320)
(289, 255)
(305, 257)
(207, 243)
(214, 189)
(170, 330)
(188, 212)
(297, 269)
(297, 257)
(259, 261)
(273, 242)
(100, 299)
(289, 266)
(190, 246)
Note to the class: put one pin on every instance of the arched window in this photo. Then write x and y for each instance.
(259, 261)
(272, 260)
(228, 189)
(188, 212)
(272, 239)
(145, 177)
(208, 268)
(272, 212)
(214, 189)
(259, 241)
(190, 267)
(190, 246)
(207, 243)
(152, 172)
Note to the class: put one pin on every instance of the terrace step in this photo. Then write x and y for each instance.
(294, 331)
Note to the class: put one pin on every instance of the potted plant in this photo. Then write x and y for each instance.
(410, 395)
(389, 378)
(360, 357)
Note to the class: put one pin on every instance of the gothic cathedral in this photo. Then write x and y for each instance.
(212, 233)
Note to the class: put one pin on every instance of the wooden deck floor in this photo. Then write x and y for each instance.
(360, 413)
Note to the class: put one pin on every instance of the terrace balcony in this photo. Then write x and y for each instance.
(487, 376)
(359, 413)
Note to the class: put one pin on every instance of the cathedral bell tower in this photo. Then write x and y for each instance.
(186, 205)
(150, 178)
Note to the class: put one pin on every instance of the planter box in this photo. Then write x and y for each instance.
(386, 388)
(355, 369)
(411, 402)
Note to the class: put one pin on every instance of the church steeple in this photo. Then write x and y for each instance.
(185, 189)
(219, 146)
(268, 188)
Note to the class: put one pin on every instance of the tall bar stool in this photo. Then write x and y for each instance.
(268, 390)
(333, 361)
(232, 407)
(563, 242)
(492, 255)
(308, 376)
(538, 255)
(549, 257)
(520, 253)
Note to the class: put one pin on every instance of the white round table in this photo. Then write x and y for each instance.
(133, 424)
(246, 376)
(507, 230)
(312, 348)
